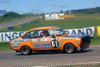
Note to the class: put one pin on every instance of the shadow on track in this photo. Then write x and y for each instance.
(54, 52)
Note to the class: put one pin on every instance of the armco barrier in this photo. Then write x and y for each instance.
(11, 27)
(35, 21)
(98, 31)
(31, 22)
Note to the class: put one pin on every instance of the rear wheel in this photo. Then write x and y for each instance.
(69, 48)
(26, 50)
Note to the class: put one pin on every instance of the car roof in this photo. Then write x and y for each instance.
(41, 28)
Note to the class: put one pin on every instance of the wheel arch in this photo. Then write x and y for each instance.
(62, 47)
(25, 44)
(66, 44)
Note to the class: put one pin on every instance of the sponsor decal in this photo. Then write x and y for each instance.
(49, 39)
(31, 40)
(68, 39)
(26, 40)
(54, 16)
(39, 45)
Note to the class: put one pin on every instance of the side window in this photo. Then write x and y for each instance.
(31, 34)
(44, 33)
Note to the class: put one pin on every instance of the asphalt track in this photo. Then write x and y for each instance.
(12, 23)
(13, 59)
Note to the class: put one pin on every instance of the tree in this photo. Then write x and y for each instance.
(11, 15)
(61, 11)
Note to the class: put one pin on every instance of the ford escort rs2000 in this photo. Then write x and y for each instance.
(49, 38)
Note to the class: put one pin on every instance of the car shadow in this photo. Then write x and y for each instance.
(54, 52)
(85, 51)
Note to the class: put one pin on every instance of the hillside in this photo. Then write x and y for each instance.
(12, 16)
(85, 11)
(79, 21)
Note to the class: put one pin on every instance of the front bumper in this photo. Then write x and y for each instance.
(85, 43)
(83, 46)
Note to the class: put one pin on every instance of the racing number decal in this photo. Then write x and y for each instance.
(54, 43)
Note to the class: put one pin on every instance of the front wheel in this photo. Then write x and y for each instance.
(69, 48)
(26, 50)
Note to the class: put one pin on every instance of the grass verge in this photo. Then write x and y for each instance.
(95, 41)
(4, 46)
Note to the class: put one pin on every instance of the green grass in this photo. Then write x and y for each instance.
(4, 46)
(95, 41)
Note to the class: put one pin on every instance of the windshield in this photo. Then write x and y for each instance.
(58, 32)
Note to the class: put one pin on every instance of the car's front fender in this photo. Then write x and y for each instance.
(66, 42)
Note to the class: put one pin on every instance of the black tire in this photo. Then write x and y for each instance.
(26, 50)
(69, 48)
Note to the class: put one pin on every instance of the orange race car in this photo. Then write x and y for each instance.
(49, 38)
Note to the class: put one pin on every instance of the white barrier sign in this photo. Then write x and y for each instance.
(7, 36)
(83, 31)
(53, 16)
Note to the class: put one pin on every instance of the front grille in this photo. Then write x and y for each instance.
(85, 42)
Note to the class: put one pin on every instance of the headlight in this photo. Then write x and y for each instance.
(78, 42)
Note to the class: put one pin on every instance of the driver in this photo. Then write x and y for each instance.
(45, 33)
